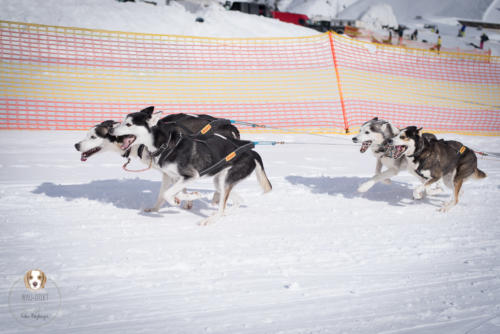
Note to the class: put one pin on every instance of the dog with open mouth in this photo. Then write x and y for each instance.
(374, 134)
(99, 139)
(431, 160)
(188, 157)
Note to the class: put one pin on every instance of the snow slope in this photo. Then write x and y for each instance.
(492, 14)
(408, 9)
(312, 256)
(141, 17)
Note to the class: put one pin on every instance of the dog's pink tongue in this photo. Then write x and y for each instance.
(364, 146)
(83, 158)
(126, 142)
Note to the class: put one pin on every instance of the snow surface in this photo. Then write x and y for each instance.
(408, 9)
(378, 16)
(312, 256)
(176, 19)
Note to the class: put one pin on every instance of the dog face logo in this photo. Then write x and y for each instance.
(35, 280)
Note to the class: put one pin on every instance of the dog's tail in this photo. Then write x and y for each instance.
(479, 174)
(261, 174)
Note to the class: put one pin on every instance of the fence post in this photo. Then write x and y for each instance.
(346, 127)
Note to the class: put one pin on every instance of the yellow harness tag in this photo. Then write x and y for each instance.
(206, 129)
(230, 156)
(462, 150)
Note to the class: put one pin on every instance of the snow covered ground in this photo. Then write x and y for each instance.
(312, 256)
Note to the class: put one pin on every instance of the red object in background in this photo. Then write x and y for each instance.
(299, 19)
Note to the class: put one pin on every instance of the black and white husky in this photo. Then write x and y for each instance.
(431, 160)
(374, 134)
(100, 139)
(186, 158)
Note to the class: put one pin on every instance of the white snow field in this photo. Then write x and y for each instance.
(312, 256)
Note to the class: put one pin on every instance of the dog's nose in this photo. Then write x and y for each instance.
(354, 139)
(35, 283)
(77, 146)
(389, 141)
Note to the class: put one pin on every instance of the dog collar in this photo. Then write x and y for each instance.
(126, 154)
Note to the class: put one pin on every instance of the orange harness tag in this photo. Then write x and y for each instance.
(206, 129)
(462, 150)
(230, 156)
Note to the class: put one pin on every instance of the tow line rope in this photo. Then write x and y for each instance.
(254, 125)
(492, 155)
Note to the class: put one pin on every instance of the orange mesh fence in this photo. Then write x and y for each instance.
(72, 78)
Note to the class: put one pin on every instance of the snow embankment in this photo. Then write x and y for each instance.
(174, 19)
(378, 16)
(409, 9)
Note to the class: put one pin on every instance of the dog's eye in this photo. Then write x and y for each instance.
(129, 125)
(31, 277)
(39, 277)
(93, 137)
(367, 132)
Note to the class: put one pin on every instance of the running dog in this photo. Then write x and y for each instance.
(186, 158)
(432, 160)
(100, 139)
(375, 133)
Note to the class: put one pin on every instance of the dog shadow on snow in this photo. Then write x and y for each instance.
(396, 193)
(135, 194)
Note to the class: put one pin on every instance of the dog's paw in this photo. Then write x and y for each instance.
(173, 201)
(444, 208)
(210, 220)
(435, 191)
(387, 181)
(365, 186)
(188, 205)
(417, 195)
(151, 210)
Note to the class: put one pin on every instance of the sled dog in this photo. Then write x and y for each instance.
(431, 160)
(188, 157)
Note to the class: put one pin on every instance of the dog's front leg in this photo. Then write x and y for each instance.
(364, 187)
(378, 170)
(165, 183)
(175, 189)
(378, 167)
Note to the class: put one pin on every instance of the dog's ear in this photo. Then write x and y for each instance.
(419, 132)
(154, 119)
(375, 119)
(391, 129)
(26, 279)
(44, 279)
(148, 110)
(102, 131)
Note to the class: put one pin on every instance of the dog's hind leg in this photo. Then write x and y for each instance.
(224, 194)
(456, 194)
(217, 185)
(165, 183)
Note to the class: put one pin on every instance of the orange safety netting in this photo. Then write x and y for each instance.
(71, 78)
